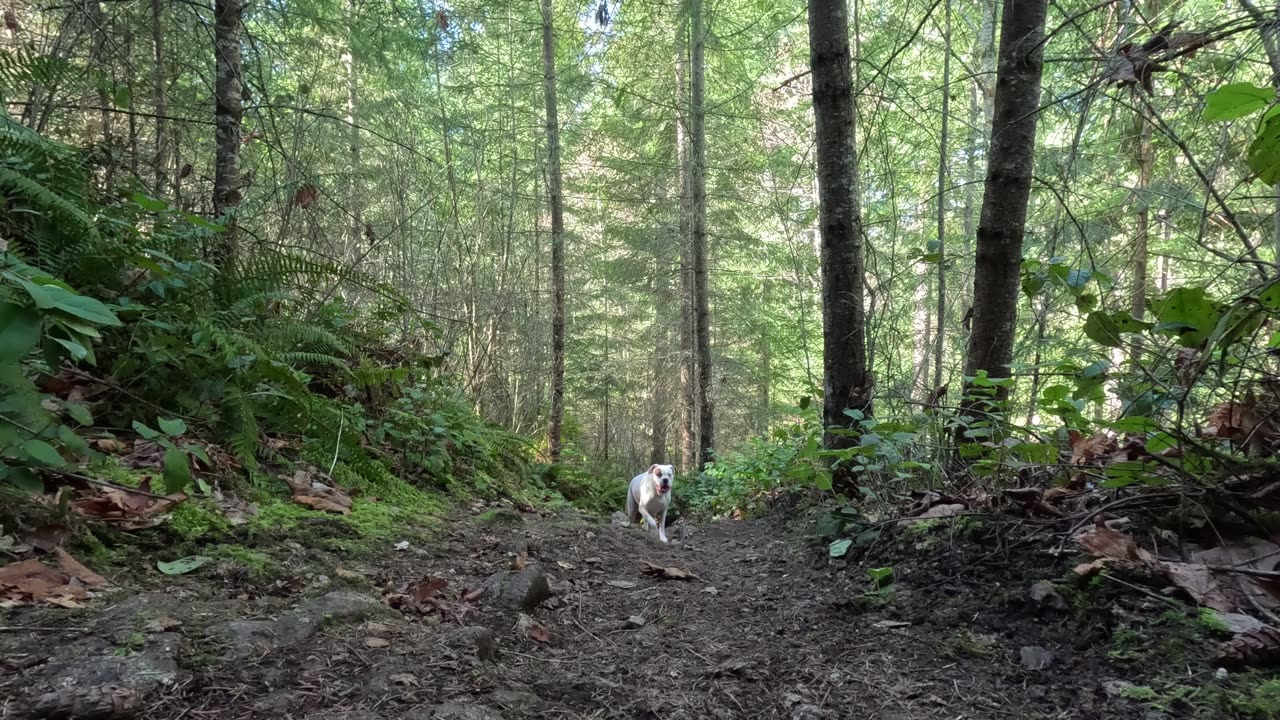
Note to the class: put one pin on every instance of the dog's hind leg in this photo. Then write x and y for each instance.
(633, 509)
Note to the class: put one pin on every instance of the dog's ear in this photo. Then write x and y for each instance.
(653, 469)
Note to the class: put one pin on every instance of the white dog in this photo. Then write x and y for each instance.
(650, 496)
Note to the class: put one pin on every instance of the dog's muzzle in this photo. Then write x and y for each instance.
(664, 488)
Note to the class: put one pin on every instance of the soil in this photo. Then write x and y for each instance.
(768, 627)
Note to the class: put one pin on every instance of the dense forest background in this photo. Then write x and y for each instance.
(389, 206)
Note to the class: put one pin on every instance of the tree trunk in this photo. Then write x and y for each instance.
(99, 31)
(160, 78)
(698, 186)
(557, 234)
(661, 361)
(688, 366)
(1145, 157)
(846, 383)
(1008, 190)
(939, 343)
(227, 112)
(981, 109)
(354, 221)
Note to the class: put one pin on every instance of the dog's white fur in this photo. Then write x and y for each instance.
(648, 499)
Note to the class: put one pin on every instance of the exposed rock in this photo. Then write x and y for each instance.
(1116, 688)
(523, 590)
(152, 667)
(619, 519)
(479, 640)
(516, 702)
(1036, 658)
(245, 638)
(807, 712)
(108, 702)
(1045, 594)
(1239, 623)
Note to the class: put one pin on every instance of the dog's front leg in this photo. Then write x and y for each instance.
(649, 522)
(662, 526)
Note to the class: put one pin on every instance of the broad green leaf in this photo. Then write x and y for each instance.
(145, 431)
(86, 308)
(173, 427)
(177, 470)
(1236, 100)
(1035, 452)
(77, 350)
(149, 203)
(79, 413)
(184, 565)
(1161, 441)
(42, 453)
(1134, 424)
(19, 331)
(23, 479)
(839, 548)
(1100, 328)
(1188, 313)
(1264, 151)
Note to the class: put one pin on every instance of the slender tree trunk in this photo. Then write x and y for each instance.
(354, 220)
(1008, 189)
(981, 108)
(160, 78)
(846, 382)
(227, 113)
(766, 366)
(688, 365)
(940, 337)
(1145, 157)
(557, 233)
(99, 31)
(698, 186)
(661, 361)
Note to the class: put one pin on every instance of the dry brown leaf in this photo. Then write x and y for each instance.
(521, 559)
(667, 573)
(376, 642)
(1086, 450)
(540, 633)
(75, 569)
(318, 495)
(1109, 544)
(346, 574)
(427, 588)
(940, 511)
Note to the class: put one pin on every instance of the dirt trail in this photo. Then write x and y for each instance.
(765, 631)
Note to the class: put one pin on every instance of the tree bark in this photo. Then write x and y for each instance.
(355, 223)
(160, 78)
(981, 108)
(846, 382)
(1008, 190)
(688, 328)
(698, 186)
(228, 72)
(557, 234)
(939, 343)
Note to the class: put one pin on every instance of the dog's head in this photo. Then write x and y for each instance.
(662, 475)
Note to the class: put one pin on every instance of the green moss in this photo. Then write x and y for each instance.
(197, 518)
(1261, 701)
(257, 564)
(109, 468)
(1140, 693)
(500, 516)
(1212, 621)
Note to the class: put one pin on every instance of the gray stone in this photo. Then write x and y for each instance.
(807, 712)
(619, 519)
(474, 639)
(516, 702)
(524, 590)
(634, 622)
(1116, 688)
(153, 667)
(246, 638)
(1036, 658)
(1045, 594)
(1239, 623)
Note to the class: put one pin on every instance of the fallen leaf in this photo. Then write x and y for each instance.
(426, 589)
(72, 567)
(624, 584)
(1087, 449)
(520, 561)
(540, 633)
(890, 624)
(347, 574)
(1110, 544)
(667, 573)
(406, 679)
(48, 537)
(163, 624)
(182, 566)
(564, 565)
(711, 590)
(308, 491)
(1254, 647)
(376, 642)
(940, 511)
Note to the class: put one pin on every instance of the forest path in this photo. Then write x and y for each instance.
(763, 631)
